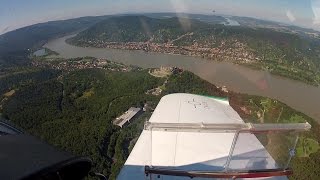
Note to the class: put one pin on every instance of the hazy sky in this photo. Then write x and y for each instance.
(19, 13)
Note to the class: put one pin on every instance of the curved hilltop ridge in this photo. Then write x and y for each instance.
(138, 28)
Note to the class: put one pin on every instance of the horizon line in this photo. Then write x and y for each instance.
(174, 12)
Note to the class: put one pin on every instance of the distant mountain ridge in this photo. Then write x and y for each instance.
(282, 27)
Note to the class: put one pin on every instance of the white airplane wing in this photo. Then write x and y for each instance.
(191, 150)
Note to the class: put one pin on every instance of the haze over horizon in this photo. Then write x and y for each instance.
(15, 14)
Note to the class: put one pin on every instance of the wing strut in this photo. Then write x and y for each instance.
(225, 128)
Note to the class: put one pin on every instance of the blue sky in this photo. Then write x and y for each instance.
(19, 13)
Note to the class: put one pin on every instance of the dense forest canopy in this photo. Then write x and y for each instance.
(65, 114)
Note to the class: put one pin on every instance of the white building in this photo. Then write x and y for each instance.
(126, 117)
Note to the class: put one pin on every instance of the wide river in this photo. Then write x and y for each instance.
(300, 96)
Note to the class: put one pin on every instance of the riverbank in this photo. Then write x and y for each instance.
(300, 96)
(239, 54)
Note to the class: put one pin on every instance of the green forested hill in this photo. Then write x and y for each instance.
(281, 53)
(138, 28)
(16, 45)
(74, 112)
